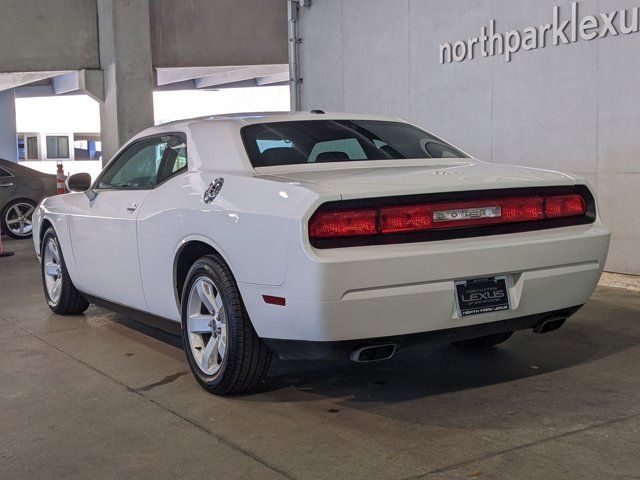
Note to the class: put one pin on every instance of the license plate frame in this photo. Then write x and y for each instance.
(476, 296)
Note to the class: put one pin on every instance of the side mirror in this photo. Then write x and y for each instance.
(78, 182)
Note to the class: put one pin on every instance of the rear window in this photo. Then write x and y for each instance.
(318, 141)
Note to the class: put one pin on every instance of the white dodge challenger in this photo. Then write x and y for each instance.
(314, 235)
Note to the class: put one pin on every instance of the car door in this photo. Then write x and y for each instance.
(7, 186)
(103, 224)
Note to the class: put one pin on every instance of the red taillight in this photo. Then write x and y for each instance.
(344, 223)
(444, 215)
(564, 206)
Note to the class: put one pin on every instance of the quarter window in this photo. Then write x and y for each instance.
(4, 173)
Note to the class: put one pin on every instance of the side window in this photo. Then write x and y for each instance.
(137, 167)
(4, 173)
(175, 158)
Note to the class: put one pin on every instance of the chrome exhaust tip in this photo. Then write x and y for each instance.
(549, 325)
(373, 353)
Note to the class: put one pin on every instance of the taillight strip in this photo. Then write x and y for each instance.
(424, 217)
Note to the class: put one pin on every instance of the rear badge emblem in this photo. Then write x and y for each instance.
(213, 190)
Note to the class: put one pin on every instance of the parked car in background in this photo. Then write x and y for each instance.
(318, 236)
(21, 189)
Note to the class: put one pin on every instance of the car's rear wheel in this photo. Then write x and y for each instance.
(62, 296)
(16, 218)
(223, 350)
(485, 341)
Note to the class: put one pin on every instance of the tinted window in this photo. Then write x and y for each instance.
(57, 146)
(317, 141)
(146, 163)
(4, 173)
(175, 158)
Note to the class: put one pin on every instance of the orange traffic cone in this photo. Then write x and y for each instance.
(4, 253)
(59, 179)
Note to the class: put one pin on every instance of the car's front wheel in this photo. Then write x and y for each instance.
(62, 296)
(223, 350)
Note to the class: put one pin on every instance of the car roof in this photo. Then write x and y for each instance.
(18, 170)
(248, 118)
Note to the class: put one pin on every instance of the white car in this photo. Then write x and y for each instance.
(315, 235)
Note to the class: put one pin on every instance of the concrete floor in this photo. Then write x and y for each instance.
(97, 396)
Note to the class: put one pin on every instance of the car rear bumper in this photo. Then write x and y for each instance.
(366, 293)
(342, 350)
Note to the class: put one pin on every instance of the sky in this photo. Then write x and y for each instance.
(80, 113)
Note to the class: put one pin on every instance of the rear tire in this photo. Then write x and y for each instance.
(16, 218)
(486, 341)
(62, 296)
(223, 350)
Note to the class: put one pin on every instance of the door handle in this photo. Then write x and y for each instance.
(132, 207)
(6, 185)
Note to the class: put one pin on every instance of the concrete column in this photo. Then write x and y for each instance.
(125, 58)
(8, 139)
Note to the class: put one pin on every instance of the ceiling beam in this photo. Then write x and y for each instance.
(275, 78)
(240, 74)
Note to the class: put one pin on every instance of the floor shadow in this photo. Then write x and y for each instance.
(432, 371)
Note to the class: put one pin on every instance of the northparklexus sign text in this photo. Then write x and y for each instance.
(562, 30)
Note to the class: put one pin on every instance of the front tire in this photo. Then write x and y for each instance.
(484, 342)
(62, 296)
(223, 350)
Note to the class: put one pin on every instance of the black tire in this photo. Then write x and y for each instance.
(484, 342)
(3, 221)
(247, 360)
(71, 301)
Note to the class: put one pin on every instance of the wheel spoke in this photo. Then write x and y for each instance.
(55, 291)
(210, 354)
(222, 346)
(29, 211)
(207, 296)
(218, 302)
(200, 324)
(13, 222)
(55, 252)
(16, 210)
(52, 269)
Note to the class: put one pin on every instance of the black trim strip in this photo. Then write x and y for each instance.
(451, 233)
(149, 319)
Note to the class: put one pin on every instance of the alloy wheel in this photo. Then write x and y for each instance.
(18, 219)
(207, 326)
(52, 270)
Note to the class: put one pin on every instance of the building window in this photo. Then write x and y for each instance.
(57, 146)
(32, 148)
